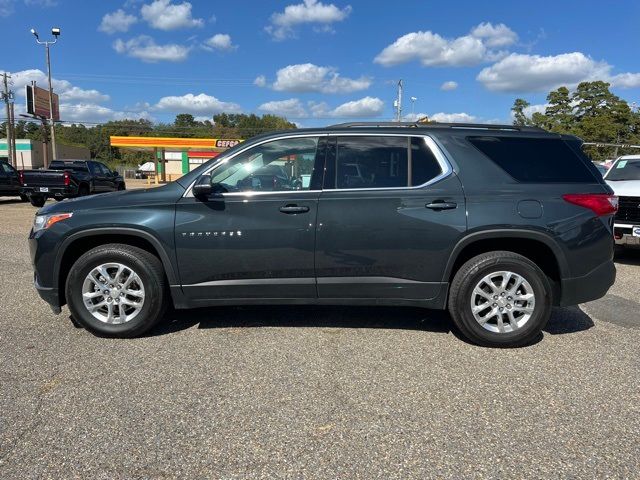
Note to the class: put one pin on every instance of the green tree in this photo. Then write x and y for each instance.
(519, 116)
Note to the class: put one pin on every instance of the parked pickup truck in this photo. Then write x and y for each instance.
(69, 178)
(624, 178)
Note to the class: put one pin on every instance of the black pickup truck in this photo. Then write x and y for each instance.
(69, 178)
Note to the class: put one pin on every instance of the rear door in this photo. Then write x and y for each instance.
(100, 180)
(109, 183)
(255, 238)
(389, 215)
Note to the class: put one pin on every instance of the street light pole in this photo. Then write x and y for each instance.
(56, 33)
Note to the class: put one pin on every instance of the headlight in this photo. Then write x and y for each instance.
(42, 222)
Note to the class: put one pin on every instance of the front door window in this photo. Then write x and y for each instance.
(278, 166)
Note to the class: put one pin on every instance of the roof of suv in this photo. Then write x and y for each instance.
(404, 127)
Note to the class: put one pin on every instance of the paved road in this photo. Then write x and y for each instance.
(313, 392)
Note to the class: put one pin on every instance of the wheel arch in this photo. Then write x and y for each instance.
(536, 246)
(81, 242)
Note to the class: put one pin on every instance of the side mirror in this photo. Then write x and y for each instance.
(202, 187)
(115, 173)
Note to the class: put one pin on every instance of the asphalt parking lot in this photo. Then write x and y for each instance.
(313, 392)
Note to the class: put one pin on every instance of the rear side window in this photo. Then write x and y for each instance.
(372, 162)
(381, 162)
(75, 166)
(424, 166)
(535, 160)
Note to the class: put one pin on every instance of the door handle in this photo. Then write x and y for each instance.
(440, 205)
(293, 209)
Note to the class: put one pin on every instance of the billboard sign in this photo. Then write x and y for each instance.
(38, 102)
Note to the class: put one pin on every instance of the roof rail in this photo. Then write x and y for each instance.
(376, 124)
(484, 126)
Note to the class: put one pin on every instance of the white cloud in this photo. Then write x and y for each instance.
(292, 108)
(220, 41)
(495, 35)
(308, 77)
(536, 73)
(118, 21)
(363, 108)
(75, 94)
(536, 108)
(64, 88)
(6, 8)
(164, 15)
(626, 80)
(93, 113)
(145, 48)
(448, 86)
(311, 11)
(432, 50)
(260, 81)
(41, 3)
(196, 104)
(461, 117)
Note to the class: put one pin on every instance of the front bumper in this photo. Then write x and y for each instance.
(49, 295)
(627, 235)
(591, 286)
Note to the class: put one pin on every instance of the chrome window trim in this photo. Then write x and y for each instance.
(445, 166)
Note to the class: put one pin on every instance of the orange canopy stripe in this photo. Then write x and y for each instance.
(170, 142)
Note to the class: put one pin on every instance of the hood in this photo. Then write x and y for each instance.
(625, 188)
(169, 193)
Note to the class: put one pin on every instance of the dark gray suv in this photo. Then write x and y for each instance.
(494, 223)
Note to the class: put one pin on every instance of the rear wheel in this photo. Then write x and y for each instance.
(83, 191)
(37, 200)
(500, 299)
(24, 198)
(117, 290)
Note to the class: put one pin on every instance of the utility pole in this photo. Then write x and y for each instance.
(6, 96)
(56, 33)
(12, 122)
(398, 102)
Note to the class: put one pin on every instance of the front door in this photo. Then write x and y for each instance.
(389, 216)
(254, 237)
(9, 183)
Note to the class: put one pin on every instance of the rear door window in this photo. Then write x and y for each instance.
(535, 160)
(380, 162)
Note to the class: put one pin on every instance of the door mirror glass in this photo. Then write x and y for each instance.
(203, 187)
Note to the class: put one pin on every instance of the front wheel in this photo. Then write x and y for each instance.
(500, 299)
(117, 290)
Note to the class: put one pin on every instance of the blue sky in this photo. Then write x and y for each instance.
(318, 62)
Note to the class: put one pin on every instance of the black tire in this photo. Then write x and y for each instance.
(37, 200)
(121, 186)
(83, 190)
(149, 269)
(472, 272)
(58, 199)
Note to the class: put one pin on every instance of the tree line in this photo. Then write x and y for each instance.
(96, 138)
(591, 112)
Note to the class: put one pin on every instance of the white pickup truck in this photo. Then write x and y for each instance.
(624, 178)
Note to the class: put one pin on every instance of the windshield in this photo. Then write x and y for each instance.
(625, 169)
